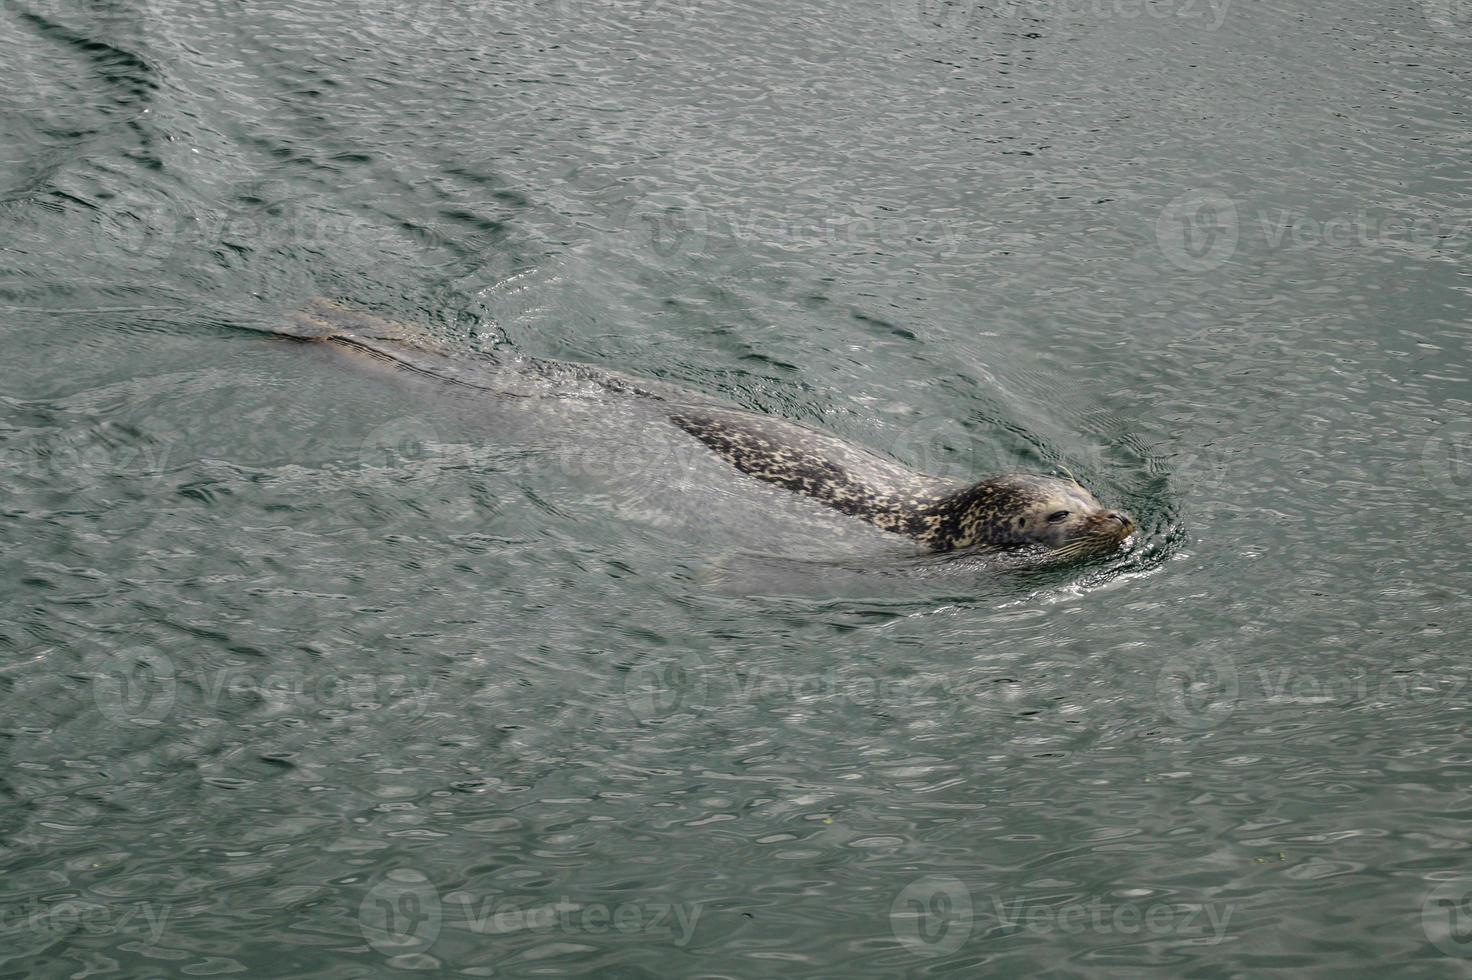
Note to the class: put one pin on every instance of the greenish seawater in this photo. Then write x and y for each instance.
(312, 668)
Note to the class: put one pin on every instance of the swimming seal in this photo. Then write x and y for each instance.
(1011, 510)
(1007, 511)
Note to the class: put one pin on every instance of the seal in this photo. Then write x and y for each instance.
(1013, 510)
(1007, 511)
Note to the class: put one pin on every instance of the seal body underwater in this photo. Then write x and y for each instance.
(1006, 511)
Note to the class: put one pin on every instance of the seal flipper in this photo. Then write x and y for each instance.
(415, 348)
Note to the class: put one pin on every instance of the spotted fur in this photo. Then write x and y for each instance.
(1008, 510)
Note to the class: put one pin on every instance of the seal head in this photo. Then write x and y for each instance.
(1019, 509)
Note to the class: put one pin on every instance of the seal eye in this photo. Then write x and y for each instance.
(1057, 516)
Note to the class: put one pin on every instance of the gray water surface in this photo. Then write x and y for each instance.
(314, 668)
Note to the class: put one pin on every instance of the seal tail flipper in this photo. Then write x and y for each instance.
(367, 336)
(325, 319)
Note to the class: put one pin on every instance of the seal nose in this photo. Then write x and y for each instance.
(1124, 520)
